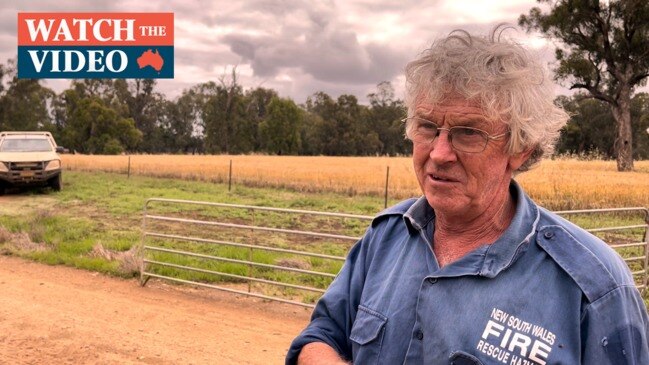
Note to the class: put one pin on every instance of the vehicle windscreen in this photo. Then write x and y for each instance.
(26, 145)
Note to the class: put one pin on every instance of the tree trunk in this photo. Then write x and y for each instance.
(623, 142)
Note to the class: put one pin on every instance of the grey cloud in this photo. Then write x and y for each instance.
(306, 86)
(8, 24)
(8, 38)
(322, 48)
(60, 6)
(262, 14)
(337, 57)
(310, 41)
(243, 47)
(321, 16)
(205, 59)
(377, 6)
(275, 7)
(245, 20)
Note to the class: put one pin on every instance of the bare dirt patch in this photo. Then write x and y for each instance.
(53, 314)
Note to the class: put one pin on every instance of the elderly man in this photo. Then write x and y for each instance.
(474, 272)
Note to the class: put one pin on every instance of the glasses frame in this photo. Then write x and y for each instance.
(488, 136)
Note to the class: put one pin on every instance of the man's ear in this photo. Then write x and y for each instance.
(518, 159)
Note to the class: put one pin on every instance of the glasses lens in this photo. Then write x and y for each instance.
(423, 131)
(469, 139)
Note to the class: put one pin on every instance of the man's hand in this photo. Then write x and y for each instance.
(319, 353)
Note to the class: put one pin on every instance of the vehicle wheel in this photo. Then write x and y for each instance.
(56, 183)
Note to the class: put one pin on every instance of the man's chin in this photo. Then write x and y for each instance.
(445, 204)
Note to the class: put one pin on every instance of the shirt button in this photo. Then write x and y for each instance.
(549, 235)
(432, 280)
(419, 335)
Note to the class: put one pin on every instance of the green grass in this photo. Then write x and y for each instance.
(102, 210)
(106, 209)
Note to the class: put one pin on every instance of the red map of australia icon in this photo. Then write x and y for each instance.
(151, 58)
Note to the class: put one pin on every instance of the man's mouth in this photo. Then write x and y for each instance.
(442, 178)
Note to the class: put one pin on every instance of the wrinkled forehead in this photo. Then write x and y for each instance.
(455, 109)
(451, 102)
(452, 110)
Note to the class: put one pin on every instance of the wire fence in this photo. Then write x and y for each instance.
(554, 184)
(291, 255)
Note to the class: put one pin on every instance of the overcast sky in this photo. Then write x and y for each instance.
(295, 47)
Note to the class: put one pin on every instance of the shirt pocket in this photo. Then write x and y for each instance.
(367, 335)
(462, 358)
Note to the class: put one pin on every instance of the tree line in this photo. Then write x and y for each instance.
(105, 116)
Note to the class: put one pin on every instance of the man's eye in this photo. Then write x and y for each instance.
(428, 127)
(467, 131)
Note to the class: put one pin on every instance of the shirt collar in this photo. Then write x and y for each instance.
(419, 214)
(511, 244)
(516, 238)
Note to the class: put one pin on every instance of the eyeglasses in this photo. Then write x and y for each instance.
(464, 139)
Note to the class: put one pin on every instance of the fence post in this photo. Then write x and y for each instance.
(250, 257)
(128, 171)
(387, 179)
(646, 252)
(142, 251)
(230, 177)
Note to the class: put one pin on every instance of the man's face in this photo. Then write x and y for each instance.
(461, 184)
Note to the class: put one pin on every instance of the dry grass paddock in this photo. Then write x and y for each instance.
(557, 184)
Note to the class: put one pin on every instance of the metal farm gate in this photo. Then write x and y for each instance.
(291, 255)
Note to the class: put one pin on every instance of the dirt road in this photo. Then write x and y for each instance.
(59, 315)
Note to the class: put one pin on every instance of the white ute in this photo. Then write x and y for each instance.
(29, 159)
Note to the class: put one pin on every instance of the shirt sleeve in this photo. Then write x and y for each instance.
(335, 312)
(615, 329)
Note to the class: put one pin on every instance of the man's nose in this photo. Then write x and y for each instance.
(442, 149)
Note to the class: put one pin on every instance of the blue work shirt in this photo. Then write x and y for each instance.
(546, 292)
